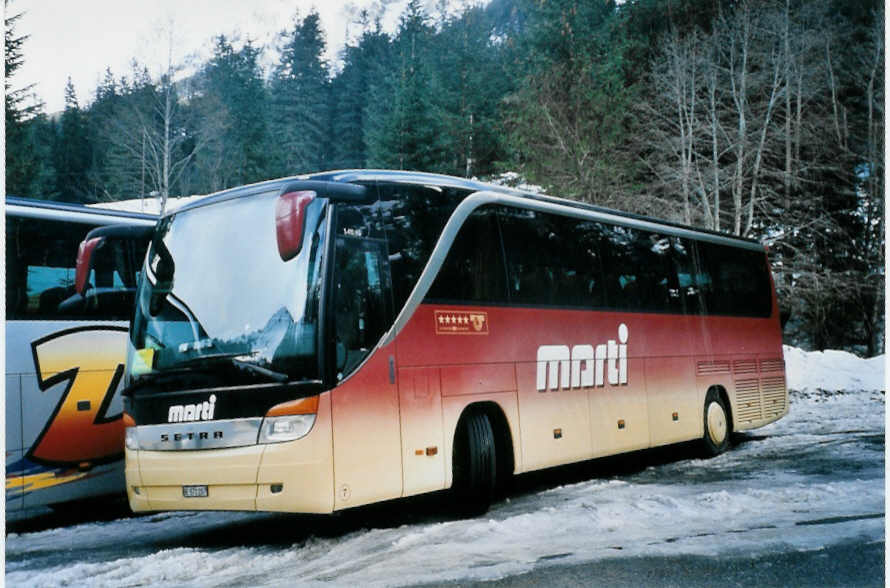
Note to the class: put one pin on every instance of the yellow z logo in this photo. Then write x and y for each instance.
(91, 360)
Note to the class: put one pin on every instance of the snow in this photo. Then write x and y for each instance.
(514, 180)
(809, 371)
(149, 205)
(809, 481)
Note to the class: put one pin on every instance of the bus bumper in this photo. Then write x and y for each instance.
(296, 476)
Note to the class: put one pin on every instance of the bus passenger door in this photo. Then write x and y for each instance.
(365, 405)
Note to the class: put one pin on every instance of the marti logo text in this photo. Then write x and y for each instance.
(183, 413)
(583, 366)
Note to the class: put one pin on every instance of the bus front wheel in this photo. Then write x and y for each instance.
(475, 464)
(717, 424)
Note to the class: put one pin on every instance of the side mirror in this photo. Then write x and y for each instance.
(112, 250)
(290, 217)
(85, 262)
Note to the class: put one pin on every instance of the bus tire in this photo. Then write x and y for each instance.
(718, 425)
(474, 464)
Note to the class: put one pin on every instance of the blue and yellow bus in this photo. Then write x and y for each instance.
(65, 352)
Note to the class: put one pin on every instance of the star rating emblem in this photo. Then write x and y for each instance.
(459, 322)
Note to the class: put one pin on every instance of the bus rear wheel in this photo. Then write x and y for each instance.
(474, 464)
(717, 424)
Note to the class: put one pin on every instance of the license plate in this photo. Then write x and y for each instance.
(194, 491)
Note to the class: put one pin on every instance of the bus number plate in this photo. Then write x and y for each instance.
(194, 491)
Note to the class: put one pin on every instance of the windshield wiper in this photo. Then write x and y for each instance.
(254, 368)
(235, 360)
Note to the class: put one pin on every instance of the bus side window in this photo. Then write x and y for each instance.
(552, 260)
(639, 273)
(474, 270)
(16, 271)
(360, 304)
(362, 287)
(621, 267)
(40, 257)
(589, 263)
(530, 262)
(740, 277)
(415, 216)
(694, 286)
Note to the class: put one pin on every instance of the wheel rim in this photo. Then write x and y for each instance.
(716, 423)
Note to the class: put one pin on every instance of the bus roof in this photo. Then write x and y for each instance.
(440, 180)
(36, 208)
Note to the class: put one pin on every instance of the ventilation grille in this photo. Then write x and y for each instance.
(707, 368)
(772, 365)
(745, 366)
(774, 396)
(747, 394)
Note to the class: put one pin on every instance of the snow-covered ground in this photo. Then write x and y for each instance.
(813, 480)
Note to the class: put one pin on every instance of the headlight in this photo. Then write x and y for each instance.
(130, 439)
(286, 428)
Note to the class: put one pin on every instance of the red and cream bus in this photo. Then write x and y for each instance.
(317, 343)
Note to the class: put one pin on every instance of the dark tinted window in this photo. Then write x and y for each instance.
(639, 274)
(415, 216)
(552, 260)
(40, 266)
(694, 284)
(739, 279)
(362, 289)
(473, 271)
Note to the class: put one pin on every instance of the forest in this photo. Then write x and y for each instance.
(757, 118)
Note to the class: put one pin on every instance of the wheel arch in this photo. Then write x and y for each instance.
(503, 437)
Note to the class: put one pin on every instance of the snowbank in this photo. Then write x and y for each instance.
(809, 371)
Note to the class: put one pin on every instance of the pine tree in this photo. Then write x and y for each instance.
(300, 99)
(472, 79)
(411, 135)
(111, 176)
(353, 94)
(29, 138)
(72, 153)
(568, 121)
(234, 112)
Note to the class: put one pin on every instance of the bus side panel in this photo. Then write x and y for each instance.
(13, 440)
(423, 449)
(745, 357)
(675, 409)
(555, 424)
(619, 420)
(739, 336)
(367, 439)
(79, 401)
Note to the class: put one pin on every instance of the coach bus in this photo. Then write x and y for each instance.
(317, 343)
(65, 352)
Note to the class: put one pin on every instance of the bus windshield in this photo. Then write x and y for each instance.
(216, 292)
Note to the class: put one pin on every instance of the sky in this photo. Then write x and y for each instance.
(80, 39)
